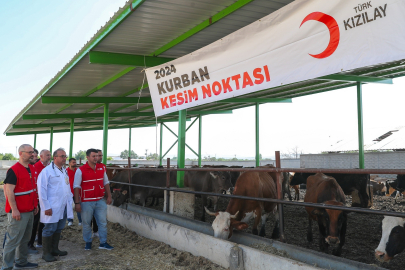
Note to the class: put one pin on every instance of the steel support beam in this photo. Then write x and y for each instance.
(356, 78)
(94, 123)
(223, 13)
(360, 124)
(199, 139)
(76, 130)
(255, 100)
(161, 145)
(95, 115)
(129, 144)
(126, 59)
(35, 140)
(132, 100)
(181, 147)
(72, 129)
(51, 140)
(257, 135)
(105, 132)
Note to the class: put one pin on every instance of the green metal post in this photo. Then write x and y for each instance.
(72, 126)
(51, 141)
(105, 132)
(161, 144)
(129, 144)
(257, 136)
(360, 125)
(35, 140)
(199, 139)
(181, 147)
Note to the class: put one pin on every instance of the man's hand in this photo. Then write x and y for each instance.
(48, 212)
(16, 214)
(36, 210)
(109, 200)
(78, 208)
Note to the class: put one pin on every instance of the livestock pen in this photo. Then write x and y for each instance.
(354, 230)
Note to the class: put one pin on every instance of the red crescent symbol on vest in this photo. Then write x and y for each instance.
(334, 32)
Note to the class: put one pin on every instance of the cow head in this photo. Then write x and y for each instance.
(119, 196)
(298, 178)
(332, 221)
(393, 238)
(222, 182)
(224, 223)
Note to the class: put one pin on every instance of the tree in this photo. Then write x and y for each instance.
(109, 158)
(124, 154)
(80, 155)
(8, 156)
(152, 156)
(294, 152)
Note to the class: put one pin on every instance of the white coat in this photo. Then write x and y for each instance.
(54, 193)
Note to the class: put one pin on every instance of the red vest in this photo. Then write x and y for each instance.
(92, 183)
(39, 166)
(25, 190)
(71, 174)
(34, 175)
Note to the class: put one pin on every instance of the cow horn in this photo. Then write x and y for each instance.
(234, 216)
(209, 212)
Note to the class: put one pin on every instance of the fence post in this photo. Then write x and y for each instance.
(129, 179)
(280, 197)
(168, 185)
(80, 161)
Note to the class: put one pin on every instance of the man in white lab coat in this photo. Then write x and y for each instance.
(55, 198)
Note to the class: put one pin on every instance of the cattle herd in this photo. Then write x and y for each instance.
(327, 189)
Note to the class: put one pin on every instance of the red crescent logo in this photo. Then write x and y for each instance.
(334, 32)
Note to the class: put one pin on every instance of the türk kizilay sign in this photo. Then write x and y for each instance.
(304, 40)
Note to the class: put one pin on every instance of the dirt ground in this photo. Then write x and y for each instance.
(362, 237)
(131, 251)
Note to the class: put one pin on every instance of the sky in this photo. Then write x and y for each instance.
(41, 37)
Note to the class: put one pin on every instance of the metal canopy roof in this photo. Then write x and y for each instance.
(147, 33)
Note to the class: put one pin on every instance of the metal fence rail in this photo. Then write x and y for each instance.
(280, 202)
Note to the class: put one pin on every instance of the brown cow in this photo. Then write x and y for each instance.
(295, 187)
(238, 212)
(111, 172)
(332, 223)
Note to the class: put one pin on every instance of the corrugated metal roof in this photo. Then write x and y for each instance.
(150, 26)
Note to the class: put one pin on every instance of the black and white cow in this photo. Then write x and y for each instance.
(393, 238)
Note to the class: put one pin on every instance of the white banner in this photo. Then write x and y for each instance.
(303, 40)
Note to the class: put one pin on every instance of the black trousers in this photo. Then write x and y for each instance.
(95, 226)
(35, 228)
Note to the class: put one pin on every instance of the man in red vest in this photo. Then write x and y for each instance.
(21, 206)
(71, 170)
(90, 185)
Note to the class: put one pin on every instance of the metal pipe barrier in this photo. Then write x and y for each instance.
(280, 202)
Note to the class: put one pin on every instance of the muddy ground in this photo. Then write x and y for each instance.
(131, 251)
(362, 237)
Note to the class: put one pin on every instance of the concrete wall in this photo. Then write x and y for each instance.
(199, 244)
(285, 163)
(381, 160)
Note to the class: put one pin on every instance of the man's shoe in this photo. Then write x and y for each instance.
(38, 245)
(32, 250)
(95, 234)
(80, 224)
(88, 246)
(105, 246)
(26, 266)
(55, 246)
(70, 223)
(47, 249)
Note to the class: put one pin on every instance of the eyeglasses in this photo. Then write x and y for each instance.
(63, 156)
(30, 152)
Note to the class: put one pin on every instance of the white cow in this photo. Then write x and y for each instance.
(393, 238)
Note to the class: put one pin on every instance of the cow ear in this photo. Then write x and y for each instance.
(238, 225)
(124, 192)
